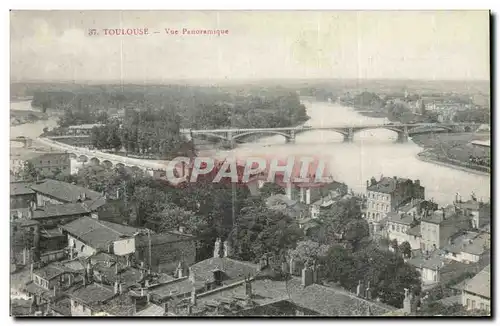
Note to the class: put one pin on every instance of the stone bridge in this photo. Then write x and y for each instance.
(403, 130)
(107, 160)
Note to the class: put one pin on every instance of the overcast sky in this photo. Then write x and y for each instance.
(53, 45)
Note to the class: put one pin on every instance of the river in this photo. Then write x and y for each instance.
(373, 153)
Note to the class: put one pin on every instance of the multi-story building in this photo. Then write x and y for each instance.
(21, 195)
(44, 163)
(437, 228)
(386, 195)
(477, 291)
(58, 192)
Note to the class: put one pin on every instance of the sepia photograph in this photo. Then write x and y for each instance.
(321, 163)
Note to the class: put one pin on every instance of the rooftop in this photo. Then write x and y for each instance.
(321, 299)
(20, 188)
(471, 243)
(171, 288)
(143, 240)
(399, 218)
(51, 271)
(98, 234)
(64, 191)
(53, 210)
(233, 269)
(480, 284)
(151, 310)
(92, 294)
(386, 185)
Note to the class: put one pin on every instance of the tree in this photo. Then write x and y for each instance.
(271, 188)
(28, 172)
(260, 231)
(309, 251)
(405, 249)
(340, 266)
(394, 245)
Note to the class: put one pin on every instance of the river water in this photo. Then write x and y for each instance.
(373, 153)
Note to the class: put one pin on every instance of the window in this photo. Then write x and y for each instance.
(82, 247)
(473, 304)
(48, 162)
(397, 228)
(482, 306)
(488, 307)
(392, 227)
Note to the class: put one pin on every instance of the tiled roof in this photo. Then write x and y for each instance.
(20, 188)
(63, 191)
(96, 233)
(120, 305)
(471, 243)
(50, 271)
(386, 185)
(175, 287)
(324, 300)
(54, 210)
(399, 218)
(233, 269)
(62, 306)
(92, 294)
(38, 290)
(480, 284)
(433, 262)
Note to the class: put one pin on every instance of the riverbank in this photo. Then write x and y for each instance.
(456, 165)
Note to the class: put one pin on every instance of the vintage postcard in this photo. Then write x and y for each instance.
(250, 163)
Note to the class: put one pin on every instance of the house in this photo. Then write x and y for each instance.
(44, 163)
(477, 291)
(291, 208)
(87, 236)
(21, 195)
(478, 212)
(398, 228)
(166, 250)
(58, 192)
(49, 282)
(438, 227)
(309, 195)
(387, 195)
(50, 215)
(87, 299)
(468, 247)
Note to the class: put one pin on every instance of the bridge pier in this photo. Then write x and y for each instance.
(349, 137)
(291, 139)
(402, 137)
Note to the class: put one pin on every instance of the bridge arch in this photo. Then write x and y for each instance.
(120, 166)
(73, 156)
(269, 132)
(107, 164)
(95, 161)
(83, 159)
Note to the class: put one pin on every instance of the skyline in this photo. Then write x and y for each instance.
(261, 45)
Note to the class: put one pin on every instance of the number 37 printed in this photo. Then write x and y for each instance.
(92, 32)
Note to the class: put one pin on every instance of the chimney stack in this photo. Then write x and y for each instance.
(248, 288)
(360, 289)
(193, 296)
(116, 289)
(307, 276)
(120, 288)
(217, 248)
(228, 249)
(263, 262)
(368, 292)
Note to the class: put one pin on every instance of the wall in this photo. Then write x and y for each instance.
(469, 298)
(77, 244)
(52, 222)
(42, 199)
(401, 235)
(124, 247)
(166, 257)
(428, 275)
(377, 203)
(21, 201)
(430, 236)
(49, 163)
(78, 309)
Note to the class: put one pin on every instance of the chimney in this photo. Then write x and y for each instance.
(367, 183)
(116, 288)
(29, 214)
(193, 296)
(368, 292)
(189, 310)
(120, 288)
(228, 249)
(293, 266)
(360, 289)
(70, 279)
(217, 248)
(181, 229)
(117, 193)
(284, 268)
(248, 288)
(142, 292)
(263, 262)
(116, 268)
(84, 196)
(444, 214)
(191, 275)
(54, 290)
(19, 214)
(31, 271)
(307, 276)
(407, 303)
